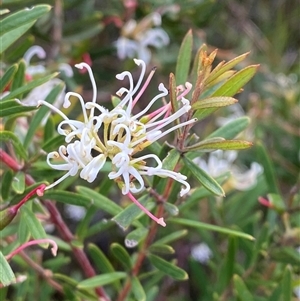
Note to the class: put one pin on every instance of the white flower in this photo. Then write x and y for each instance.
(29, 54)
(220, 162)
(136, 38)
(201, 253)
(74, 212)
(119, 135)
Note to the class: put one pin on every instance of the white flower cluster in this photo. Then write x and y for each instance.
(118, 135)
(220, 162)
(136, 38)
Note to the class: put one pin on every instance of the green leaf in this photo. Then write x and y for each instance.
(168, 268)
(213, 102)
(101, 280)
(18, 183)
(137, 289)
(222, 68)
(218, 143)
(231, 129)
(134, 237)
(7, 179)
(29, 86)
(171, 208)
(99, 200)
(200, 225)
(22, 17)
(120, 253)
(285, 255)
(23, 231)
(100, 260)
(172, 237)
(269, 171)
(10, 137)
(201, 114)
(160, 248)
(200, 193)
(40, 115)
(34, 225)
(49, 129)
(184, 58)
(286, 284)
(236, 82)
(241, 290)
(11, 107)
(8, 76)
(84, 34)
(226, 270)
(207, 181)
(6, 274)
(10, 37)
(68, 197)
(19, 78)
(125, 218)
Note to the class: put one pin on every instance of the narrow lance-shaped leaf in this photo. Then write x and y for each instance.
(38, 117)
(10, 137)
(34, 225)
(236, 82)
(286, 284)
(213, 102)
(101, 261)
(7, 178)
(23, 17)
(10, 37)
(226, 270)
(201, 114)
(222, 68)
(101, 280)
(135, 237)
(206, 146)
(267, 164)
(121, 255)
(231, 129)
(8, 76)
(160, 248)
(184, 58)
(241, 290)
(68, 197)
(172, 237)
(207, 181)
(19, 78)
(137, 289)
(6, 274)
(29, 86)
(168, 268)
(214, 85)
(18, 183)
(11, 107)
(200, 225)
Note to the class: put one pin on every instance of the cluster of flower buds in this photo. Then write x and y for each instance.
(118, 136)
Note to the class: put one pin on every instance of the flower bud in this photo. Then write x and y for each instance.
(7, 215)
